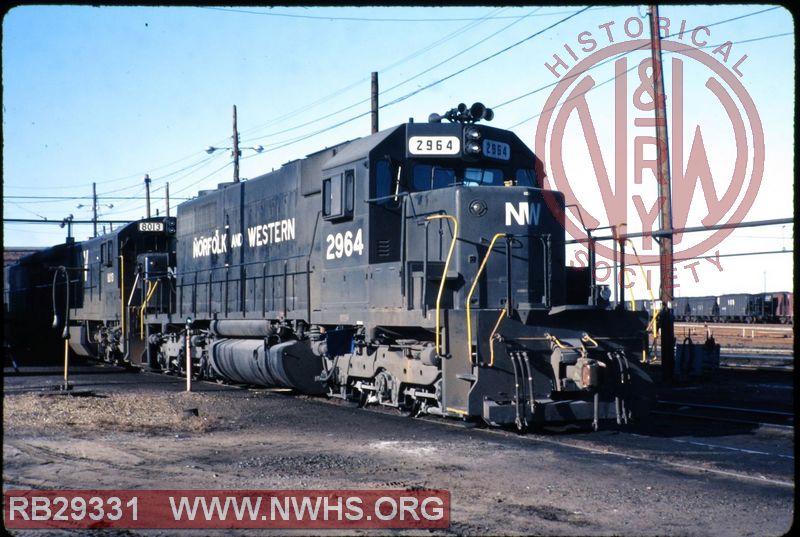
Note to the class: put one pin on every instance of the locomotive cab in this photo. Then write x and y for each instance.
(463, 264)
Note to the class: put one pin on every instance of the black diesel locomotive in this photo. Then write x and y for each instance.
(420, 268)
(90, 293)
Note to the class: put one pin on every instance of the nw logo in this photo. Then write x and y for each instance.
(727, 195)
(524, 213)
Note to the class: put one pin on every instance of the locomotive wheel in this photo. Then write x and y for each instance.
(362, 398)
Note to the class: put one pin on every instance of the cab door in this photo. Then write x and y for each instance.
(344, 237)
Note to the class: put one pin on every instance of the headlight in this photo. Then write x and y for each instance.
(471, 133)
(472, 148)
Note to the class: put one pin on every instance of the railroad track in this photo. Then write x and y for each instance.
(755, 361)
(724, 413)
(738, 326)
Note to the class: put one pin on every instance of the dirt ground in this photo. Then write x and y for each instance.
(127, 430)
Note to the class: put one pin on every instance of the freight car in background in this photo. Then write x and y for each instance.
(696, 309)
(780, 306)
(777, 308)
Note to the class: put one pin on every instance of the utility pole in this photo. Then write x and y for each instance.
(167, 189)
(374, 102)
(235, 148)
(94, 208)
(665, 202)
(147, 190)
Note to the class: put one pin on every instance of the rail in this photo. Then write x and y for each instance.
(444, 276)
(472, 291)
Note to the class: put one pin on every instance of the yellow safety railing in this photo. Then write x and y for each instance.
(557, 342)
(444, 277)
(586, 338)
(149, 295)
(491, 337)
(472, 290)
(649, 290)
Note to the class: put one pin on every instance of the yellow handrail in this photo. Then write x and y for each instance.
(557, 342)
(491, 337)
(649, 290)
(586, 338)
(472, 290)
(653, 324)
(150, 292)
(444, 276)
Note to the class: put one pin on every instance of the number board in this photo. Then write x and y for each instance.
(495, 149)
(434, 145)
(151, 226)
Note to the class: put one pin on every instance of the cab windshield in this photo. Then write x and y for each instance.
(430, 177)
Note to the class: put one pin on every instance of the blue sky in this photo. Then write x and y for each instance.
(110, 94)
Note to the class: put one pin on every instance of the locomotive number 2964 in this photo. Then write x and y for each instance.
(434, 145)
(344, 244)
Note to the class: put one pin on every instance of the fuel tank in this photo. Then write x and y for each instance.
(290, 364)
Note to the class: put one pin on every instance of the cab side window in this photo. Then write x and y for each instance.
(106, 254)
(338, 195)
(383, 179)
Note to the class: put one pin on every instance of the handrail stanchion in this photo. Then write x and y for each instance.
(444, 276)
(472, 290)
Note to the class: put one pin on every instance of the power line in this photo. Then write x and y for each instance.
(285, 143)
(370, 19)
(487, 58)
(762, 38)
(59, 221)
(331, 114)
(458, 32)
(78, 198)
(642, 47)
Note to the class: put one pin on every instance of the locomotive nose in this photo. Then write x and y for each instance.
(510, 239)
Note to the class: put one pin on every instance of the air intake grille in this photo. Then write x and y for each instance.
(384, 248)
